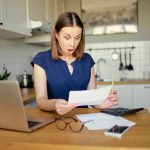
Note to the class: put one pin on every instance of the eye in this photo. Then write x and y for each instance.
(66, 37)
(78, 38)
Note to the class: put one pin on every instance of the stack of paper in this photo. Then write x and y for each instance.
(89, 97)
(103, 121)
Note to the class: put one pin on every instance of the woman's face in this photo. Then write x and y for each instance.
(68, 39)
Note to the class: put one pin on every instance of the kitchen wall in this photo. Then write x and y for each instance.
(17, 55)
(140, 58)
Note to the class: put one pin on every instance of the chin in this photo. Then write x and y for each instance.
(69, 53)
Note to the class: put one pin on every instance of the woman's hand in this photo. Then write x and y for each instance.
(110, 101)
(62, 106)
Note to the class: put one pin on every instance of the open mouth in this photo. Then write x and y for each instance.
(70, 50)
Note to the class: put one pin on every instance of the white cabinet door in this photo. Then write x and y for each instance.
(14, 21)
(124, 94)
(73, 6)
(54, 9)
(1, 14)
(49, 10)
(141, 96)
(37, 10)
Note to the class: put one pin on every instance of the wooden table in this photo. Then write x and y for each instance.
(50, 138)
(28, 95)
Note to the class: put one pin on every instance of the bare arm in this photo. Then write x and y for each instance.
(41, 89)
(92, 83)
(40, 82)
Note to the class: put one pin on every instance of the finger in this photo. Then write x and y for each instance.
(61, 112)
(72, 105)
(114, 92)
(113, 99)
(63, 108)
(112, 96)
(62, 101)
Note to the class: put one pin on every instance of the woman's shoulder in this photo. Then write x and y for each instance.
(86, 56)
(41, 57)
(44, 53)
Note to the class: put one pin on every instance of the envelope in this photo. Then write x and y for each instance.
(89, 97)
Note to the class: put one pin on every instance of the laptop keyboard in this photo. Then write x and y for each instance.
(120, 111)
(32, 123)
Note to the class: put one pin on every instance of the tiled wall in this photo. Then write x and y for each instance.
(17, 57)
(140, 58)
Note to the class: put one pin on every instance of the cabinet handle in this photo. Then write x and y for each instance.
(1, 23)
(147, 87)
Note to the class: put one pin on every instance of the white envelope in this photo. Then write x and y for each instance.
(89, 97)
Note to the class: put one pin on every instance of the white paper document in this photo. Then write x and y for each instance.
(103, 121)
(89, 97)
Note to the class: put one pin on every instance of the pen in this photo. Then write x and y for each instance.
(112, 83)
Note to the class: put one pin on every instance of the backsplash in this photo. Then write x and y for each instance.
(17, 55)
(140, 58)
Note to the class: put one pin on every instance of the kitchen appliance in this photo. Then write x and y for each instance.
(25, 80)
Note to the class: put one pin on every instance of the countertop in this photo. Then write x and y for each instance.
(28, 95)
(129, 81)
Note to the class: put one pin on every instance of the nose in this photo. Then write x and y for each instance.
(72, 43)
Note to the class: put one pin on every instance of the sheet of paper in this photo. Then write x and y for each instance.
(103, 121)
(89, 97)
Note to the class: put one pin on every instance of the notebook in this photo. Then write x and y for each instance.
(12, 113)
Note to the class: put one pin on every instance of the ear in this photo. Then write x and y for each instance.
(56, 35)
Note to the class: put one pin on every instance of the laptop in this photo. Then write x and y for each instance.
(12, 113)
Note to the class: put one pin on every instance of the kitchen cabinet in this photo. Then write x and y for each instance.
(45, 11)
(124, 94)
(73, 6)
(37, 10)
(141, 96)
(1, 21)
(13, 19)
(54, 9)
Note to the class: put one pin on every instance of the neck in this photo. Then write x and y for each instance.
(67, 58)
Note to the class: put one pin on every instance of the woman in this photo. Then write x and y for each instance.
(65, 67)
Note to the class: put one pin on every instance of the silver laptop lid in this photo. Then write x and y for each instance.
(12, 114)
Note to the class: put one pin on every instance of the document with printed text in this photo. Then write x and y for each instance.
(97, 121)
(89, 97)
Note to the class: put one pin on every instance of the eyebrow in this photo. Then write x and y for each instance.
(70, 35)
